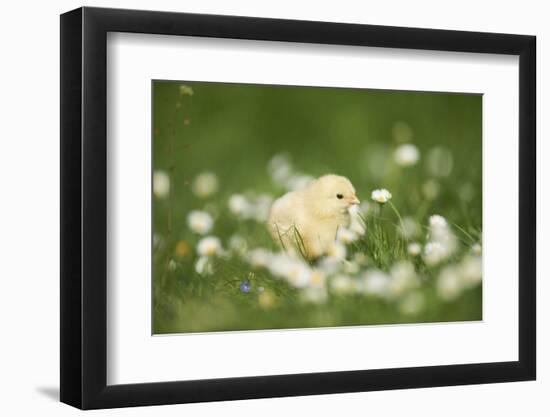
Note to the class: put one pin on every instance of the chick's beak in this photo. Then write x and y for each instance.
(354, 200)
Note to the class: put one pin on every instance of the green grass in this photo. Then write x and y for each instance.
(234, 130)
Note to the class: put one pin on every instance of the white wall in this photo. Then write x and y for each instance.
(29, 175)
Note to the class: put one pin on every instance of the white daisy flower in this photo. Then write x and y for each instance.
(443, 242)
(298, 275)
(251, 208)
(200, 222)
(434, 253)
(277, 262)
(280, 264)
(239, 205)
(336, 250)
(330, 266)
(342, 284)
(449, 283)
(381, 196)
(298, 182)
(296, 272)
(364, 208)
(476, 249)
(345, 236)
(357, 225)
(238, 244)
(209, 246)
(471, 270)
(351, 268)
(376, 282)
(158, 241)
(186, 90)
(259, 258)
(354, 211)
(403, 278)
(315, 295)
(172, 265)
(403, 271)
(277, 161)
(414, 249)
(406, 155)
(205, 184)
(161, 184)
(280, 169)
(204, 266)
(437, 222)
(317, 279)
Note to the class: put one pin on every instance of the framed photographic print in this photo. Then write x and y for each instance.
(257, 208)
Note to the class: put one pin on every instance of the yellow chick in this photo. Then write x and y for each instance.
(308, 219)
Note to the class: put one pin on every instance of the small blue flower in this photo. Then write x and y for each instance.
(245, 286)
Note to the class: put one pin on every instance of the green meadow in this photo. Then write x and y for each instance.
(223, 152)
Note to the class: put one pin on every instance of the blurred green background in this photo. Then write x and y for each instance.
(233, 131)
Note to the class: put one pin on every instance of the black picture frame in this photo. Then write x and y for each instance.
(84, 207)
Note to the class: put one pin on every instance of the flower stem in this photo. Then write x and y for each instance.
(397, 214)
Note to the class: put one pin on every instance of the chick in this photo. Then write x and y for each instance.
(307, 220)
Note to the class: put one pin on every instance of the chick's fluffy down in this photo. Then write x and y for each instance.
(311, 217)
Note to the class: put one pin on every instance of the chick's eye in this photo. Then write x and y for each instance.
(339, 196)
